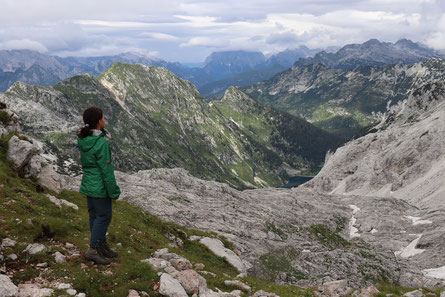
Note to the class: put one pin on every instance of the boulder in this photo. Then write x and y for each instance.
(170, 287)
(189, 280)
(50, 179)
(335, 288)
(60, 202)
(370, 291)
(59, 257)
(35, 248)
(238, 284)
(181, 263)
(7, 288)
(20, 152)
(217, 247)
(156, 263)
(32, 290)
(7, 242)
(133, 293)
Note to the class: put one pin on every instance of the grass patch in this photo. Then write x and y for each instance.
(327, 237)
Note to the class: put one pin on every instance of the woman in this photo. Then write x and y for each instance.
(98, 183)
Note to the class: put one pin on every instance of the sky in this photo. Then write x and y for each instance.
(189, 30)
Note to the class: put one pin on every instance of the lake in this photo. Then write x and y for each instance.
(296, 180)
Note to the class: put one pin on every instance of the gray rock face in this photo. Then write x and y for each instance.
(7, 287)
(403, 159)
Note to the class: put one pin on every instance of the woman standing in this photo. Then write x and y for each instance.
(98, 183)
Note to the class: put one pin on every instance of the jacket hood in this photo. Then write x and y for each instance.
(87, 143)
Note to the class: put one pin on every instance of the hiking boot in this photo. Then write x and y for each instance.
(96, 256)
(107, 251)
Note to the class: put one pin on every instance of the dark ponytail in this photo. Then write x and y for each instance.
(91, 116)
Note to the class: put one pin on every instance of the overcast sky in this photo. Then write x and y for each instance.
(188, 30)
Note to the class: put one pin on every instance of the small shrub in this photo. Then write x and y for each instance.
(5, 118)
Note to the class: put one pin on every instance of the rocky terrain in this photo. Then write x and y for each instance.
(299, 236)
(159, 120)
(344, 101)
(402, 157)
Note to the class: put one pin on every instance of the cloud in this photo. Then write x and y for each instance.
(160, 36)
(188, 30)
(23, 44)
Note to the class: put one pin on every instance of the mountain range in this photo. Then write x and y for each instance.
(159, 120)
(373, 53)
(41, 69)
(344, 101)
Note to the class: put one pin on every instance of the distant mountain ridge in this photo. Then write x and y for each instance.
(373, 53)
(40, 69)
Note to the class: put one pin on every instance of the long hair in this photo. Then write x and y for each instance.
(91, 116)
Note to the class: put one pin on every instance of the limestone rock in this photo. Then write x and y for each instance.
(416, 293)
(60, 202)
(133, 293)
(50, 179)
(35, 248)
(181, 263)
(20, 152)
(199, 266)
(189, 279)
(13, 257)
(238, 284)
(33, 290)
(7, 242)
(370, 291)
(7, 287)
(262, 293)
(335, 288)
(170, 287)
(59, 257)
(156, 263)
(217, 247)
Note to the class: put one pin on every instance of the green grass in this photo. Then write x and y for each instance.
(27, 216)
(327, 237)
(398, 291)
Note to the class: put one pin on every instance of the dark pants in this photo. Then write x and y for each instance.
(100, 211)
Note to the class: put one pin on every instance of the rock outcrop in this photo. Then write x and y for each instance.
(25, 153)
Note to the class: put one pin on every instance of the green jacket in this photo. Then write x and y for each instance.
(98, 174)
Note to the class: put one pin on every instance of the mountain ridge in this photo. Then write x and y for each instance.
(159, 120)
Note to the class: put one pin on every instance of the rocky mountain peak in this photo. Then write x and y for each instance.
(238, 99)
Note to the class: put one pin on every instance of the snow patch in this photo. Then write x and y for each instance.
(435, 272)
(353, 231)
(410, 250)
(418, 220)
